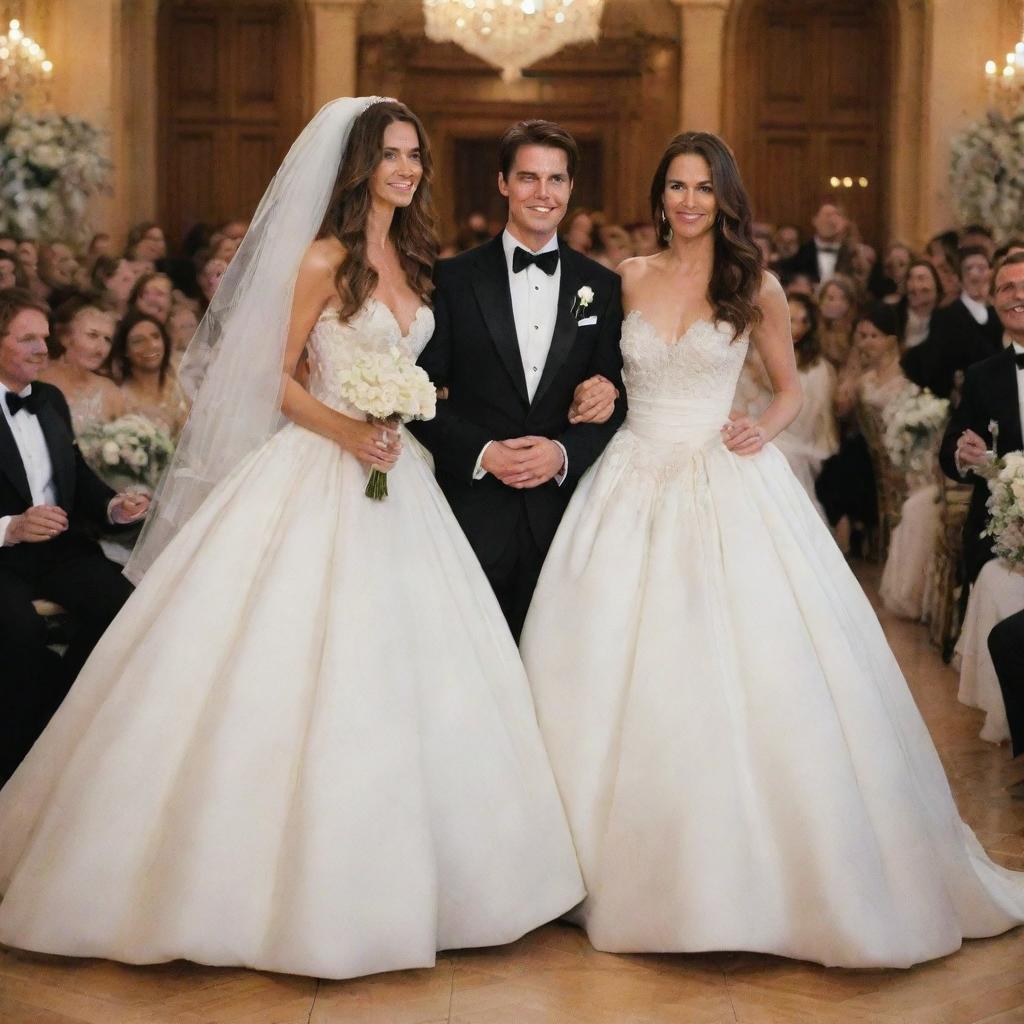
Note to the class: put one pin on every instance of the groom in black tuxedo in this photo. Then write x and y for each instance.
(521, 321)
(49, 502)
(992, 394)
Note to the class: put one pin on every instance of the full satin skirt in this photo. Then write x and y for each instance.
(306, 745)
(741, 760)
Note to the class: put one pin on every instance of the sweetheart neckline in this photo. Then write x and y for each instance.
(403, 335)
(675, 343)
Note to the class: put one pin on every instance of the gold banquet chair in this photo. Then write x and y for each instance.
(890, 483)
(954, 501)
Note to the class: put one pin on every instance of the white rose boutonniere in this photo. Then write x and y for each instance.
(584, 297)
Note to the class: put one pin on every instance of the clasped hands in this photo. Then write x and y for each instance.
(971, 450)
(375, 443)
(44, 522)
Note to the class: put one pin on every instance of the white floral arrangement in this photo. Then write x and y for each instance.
(1006, 509)
(390, 389)
(986, 174)
(128, 451)
(50, 165)
(913, 430)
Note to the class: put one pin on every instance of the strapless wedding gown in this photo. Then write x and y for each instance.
(741, 760)
(307, 743)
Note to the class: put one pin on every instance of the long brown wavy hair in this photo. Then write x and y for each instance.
(736, 273)
(413, 230)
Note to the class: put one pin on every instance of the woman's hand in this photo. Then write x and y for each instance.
(593, 401)
(375, 444)
(742, 436)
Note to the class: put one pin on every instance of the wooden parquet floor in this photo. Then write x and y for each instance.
(553, 976)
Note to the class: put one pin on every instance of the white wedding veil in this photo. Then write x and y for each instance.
(235, 361)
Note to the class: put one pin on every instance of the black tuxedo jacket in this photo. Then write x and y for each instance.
(990, 393)
(80, 492)
(474, 352)
(805, 261)
(955, 341)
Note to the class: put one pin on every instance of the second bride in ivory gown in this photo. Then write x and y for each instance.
(741, 760)
(307, 744)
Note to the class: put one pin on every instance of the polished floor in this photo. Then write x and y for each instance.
(553, 977)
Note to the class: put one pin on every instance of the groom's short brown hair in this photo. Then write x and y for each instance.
(537, 133)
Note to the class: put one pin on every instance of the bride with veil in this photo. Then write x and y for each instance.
(307, 743)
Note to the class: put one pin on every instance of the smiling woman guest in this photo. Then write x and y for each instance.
(83, 331)
(140, 360)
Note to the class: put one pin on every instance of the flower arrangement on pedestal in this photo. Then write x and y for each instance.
(50, 166)
(986, 175)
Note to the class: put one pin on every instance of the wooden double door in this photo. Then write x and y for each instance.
(230, 105)
(811, 84)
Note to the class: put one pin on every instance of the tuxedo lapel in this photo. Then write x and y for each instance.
(492, 293)
(564, 333)
(10, 462)
(61, 446)
(1006, 402)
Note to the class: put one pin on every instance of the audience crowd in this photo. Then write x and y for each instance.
(869, 328)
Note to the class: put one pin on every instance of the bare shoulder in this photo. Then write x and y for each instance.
(635, 271)
(322, 258)
(770, 292)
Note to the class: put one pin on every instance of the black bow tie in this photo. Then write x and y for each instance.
(31, 403)
(547, 261)
(1018, 358)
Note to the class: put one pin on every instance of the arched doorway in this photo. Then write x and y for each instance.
(809, 99)
(230, 105)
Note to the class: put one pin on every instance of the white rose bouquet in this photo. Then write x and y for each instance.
(391, 389)
(1006, 508)
(913, 430)
(129, 451)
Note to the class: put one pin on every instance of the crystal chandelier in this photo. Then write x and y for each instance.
(513, 34)
(1006, 87)
(25, 71)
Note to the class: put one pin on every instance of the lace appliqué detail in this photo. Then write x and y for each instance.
(702, 363)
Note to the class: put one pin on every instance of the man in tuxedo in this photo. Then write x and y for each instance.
(521, 321)
(49, 499)
(1006, 645)
(826, 254)
(992, 395)
(961, 334)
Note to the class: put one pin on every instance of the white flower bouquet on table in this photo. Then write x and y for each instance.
(50, 165)
(913, 430)
(128, 452)
(390, 389)
(1006, 509)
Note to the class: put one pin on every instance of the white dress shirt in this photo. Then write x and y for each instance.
(534, 309)
(35, 456)
(826, 260)
(977, 309)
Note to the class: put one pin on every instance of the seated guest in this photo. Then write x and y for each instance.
(113, 280)
(1006, 647)
(11, 274)
(980, 236)
(209, 278)
(827, 253)
(837, 302)
(895, 265)
(812, 437)
(941, 252)
(577, 230)
(146, 243)
(643, 237)
(799, 284)
(49, 501)
(152, 295)
(916, 312)
(57, 270)
(991, 395)
(786, 242)
(610, 245)
(962, 333)
(140, 361)
(83, 330)
(181, 325)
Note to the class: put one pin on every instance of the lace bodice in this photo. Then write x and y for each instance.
(333, 344)
(677, 388)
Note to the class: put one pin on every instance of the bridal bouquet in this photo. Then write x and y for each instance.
(390, 389)
(913, 430)
(1006, 508)
(130, 451)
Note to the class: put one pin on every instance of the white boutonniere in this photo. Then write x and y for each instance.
(584, 297)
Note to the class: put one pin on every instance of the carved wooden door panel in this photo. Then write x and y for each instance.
(230, 102)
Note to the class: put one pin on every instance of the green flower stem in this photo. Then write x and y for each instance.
(377, 485)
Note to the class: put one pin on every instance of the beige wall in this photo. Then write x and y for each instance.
(105, 57)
